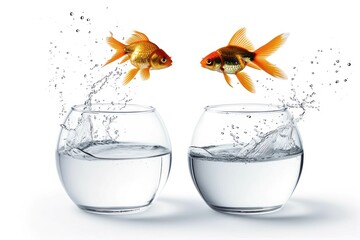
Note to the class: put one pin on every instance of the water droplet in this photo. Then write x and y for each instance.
(71, 14)
(77, 30)
(248, 116)
(82, 17)
(312, 62)
(88, 19)
(337, 61)
(349, 64)
(222, 133)
(337, 81)
(345, 80)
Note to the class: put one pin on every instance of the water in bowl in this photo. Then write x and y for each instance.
(104, 175)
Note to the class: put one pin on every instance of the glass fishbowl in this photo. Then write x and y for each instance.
(113, 158)
(246, 158)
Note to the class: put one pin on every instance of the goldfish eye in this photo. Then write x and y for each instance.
(209, 62)
(163, 60)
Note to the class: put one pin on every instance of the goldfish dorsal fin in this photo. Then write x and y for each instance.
(239, 39)
(137, 37)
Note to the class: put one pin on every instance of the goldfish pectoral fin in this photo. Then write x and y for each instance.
(137, 37)
(145, 73)
(253, 65)
(227, 78)
(130, 75)
(245, 80)
(270, 68)
(240, 39)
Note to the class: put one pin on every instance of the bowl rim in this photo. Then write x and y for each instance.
(245, 108)
(114, 108)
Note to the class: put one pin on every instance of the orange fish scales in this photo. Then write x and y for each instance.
(140, 53)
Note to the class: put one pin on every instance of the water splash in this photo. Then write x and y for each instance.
(76, 56)
(322, 72)
(325, 72)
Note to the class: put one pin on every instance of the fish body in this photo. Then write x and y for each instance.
(239, 53)
(143, 55)
(234, 58)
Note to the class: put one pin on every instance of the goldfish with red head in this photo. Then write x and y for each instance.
(239, 53)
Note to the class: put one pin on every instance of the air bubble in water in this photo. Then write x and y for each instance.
(82, 17)
(71, 14)
(77, 30)
(349, 64)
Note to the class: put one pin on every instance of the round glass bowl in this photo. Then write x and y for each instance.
(113, 158)
(246, 158)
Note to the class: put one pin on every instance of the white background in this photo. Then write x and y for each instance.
(326, 203)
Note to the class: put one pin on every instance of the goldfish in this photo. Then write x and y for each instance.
(143, 55)
(240, 53)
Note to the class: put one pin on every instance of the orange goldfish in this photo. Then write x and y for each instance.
(240, 53)
(143, 55)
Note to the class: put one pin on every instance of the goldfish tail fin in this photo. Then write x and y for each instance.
(245, 80)
(118, 46)
(263, 52)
